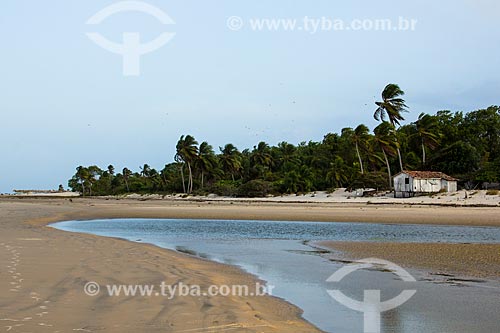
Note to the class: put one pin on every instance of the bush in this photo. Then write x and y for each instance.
(255, 189)
(375, 180)
(492, 192)
(225, 188)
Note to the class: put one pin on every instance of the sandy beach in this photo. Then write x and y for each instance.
(43, 270)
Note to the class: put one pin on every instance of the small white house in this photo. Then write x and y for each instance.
(411, 183)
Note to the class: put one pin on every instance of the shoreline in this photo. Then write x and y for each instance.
(35, 240)
(358, 212)
(106, 255)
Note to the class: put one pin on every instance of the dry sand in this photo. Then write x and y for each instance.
(43, 271)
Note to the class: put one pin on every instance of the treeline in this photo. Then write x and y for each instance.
(466, 146)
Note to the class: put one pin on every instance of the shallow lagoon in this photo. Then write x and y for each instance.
(277, 252)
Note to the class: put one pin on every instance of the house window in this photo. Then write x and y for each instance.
(407, 181)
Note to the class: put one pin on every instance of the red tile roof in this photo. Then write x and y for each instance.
(428, 174)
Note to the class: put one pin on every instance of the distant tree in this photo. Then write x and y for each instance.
(145, 170)
(337, 173)
(206, 161)
(261, 158)
(392, 106)
(187, 151)
(82, 175)
(427, 131)
(126, 173)
(230, 159)
(358, 137)
(384, 139)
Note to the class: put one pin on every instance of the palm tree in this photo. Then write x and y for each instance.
(82, 174)
(94, 173)
(180, 163)
(336, 173)
(385, 139)
(261, 157)
(187, 151)
(126, 175)
(427, 126)
(205, 160)
(145, 170)
(359, 137)
(230, 159)
(391, 107)
(287, 156)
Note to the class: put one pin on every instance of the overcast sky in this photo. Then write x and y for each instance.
(65, 102)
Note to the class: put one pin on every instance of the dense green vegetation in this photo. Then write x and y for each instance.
(466, 146)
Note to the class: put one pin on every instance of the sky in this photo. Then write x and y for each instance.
(65, 101)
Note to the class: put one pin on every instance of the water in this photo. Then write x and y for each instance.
(276, 252)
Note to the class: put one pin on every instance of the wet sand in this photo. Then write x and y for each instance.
(467, 260)
(43, 270)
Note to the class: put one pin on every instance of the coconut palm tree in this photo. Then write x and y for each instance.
(187, 151)
(358, 137)
(361, 136)
(261, 157)
(82, 174)
(205, 161)
(145, 170)
(126, 175)
(94, 173)
(391, 108)
(230, 159)
(337, 173)
(287, 156)
(385, 139)
(427, 127)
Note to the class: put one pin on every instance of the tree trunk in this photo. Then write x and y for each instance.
(360, 160)
(399, 152)
(202, 175)
(423, 153)
(182, 177)
(126, 184)
(400, 160)
(388, 168)
(190, 183)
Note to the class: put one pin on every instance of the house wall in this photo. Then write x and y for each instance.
(400, 183)
(449, 186)
(430, 185)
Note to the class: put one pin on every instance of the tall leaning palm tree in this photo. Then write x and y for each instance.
(359, 136)
(126, 175)
(391, 109)
(427, 130)
(385, 139)
(187, 151)
(205, 161)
